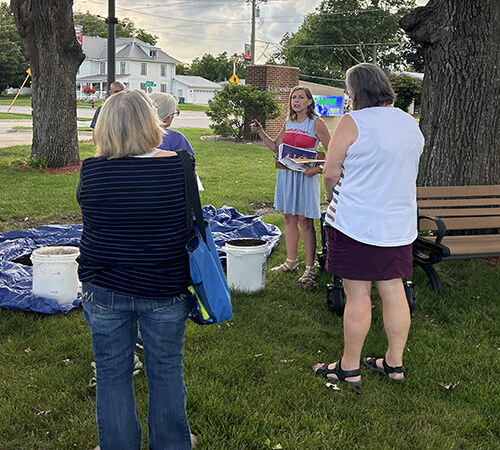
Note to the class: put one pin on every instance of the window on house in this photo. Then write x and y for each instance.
(163, 70)
(163, 88)
(122, 68)
(153, 53)
(102, 68)
(144, 69)
(180, 93)
(143, 87)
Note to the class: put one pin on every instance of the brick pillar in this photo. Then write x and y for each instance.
(278, 79)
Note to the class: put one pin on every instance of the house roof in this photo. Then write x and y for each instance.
(126, 48)
(196, 82)
(99, 78)
(413, 74)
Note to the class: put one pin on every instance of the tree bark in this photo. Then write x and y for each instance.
(461, 90)
(48, 36)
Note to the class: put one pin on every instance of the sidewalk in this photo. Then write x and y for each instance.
(10, 136)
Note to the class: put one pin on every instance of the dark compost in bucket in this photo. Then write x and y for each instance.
(249, 242)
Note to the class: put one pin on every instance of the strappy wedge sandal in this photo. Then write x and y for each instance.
(309, 277)
(341, 374)
(288, 266)
(371, 363)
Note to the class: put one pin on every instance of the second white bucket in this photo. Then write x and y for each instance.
(246, 264)
(55, 273)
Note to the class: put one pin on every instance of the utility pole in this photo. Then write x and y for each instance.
(111, 21)
(252, 37)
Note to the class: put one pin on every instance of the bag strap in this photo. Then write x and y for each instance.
(192, 195)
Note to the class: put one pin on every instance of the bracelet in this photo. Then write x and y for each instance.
(321, 168)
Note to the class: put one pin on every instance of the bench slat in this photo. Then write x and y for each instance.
(478, 246)
(459, 212)
(458, 191)
(463, 202)
(463, 223)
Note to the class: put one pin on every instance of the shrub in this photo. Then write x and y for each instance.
(234, 106)
(407, 89)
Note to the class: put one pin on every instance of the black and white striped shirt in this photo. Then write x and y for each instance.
(134, 226)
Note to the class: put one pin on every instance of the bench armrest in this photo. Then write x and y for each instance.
(428, 250)
(441, 231)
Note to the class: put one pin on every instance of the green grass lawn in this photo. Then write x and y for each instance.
(250, 383)
(14, 116)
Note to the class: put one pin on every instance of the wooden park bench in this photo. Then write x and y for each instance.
(462, 222)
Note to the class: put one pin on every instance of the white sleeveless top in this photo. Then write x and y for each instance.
(375, 201)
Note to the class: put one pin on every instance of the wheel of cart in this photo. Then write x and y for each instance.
(335, 297)
(322, 254)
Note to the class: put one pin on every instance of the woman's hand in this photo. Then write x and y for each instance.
(311, 171)
(256, 127)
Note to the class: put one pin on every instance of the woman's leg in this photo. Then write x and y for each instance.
(357, 320)
(114, 332)
(309, 238)
(163, 326)
(291, 236)
(397, 321)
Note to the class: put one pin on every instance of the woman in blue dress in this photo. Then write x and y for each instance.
(298, 193)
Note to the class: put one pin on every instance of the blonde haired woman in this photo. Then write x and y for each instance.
(134, 269)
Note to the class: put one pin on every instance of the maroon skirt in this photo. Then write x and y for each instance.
(353, 260)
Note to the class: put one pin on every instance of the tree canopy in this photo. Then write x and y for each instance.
(13, 64)
(342, 33)
(214, 68)
(94, 25)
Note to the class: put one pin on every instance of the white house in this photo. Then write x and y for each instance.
(194, 89)
(138, 66)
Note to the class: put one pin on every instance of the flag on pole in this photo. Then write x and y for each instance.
(79, 33)
(248, 52)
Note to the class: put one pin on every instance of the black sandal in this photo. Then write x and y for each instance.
(341, 374)
(371, 363)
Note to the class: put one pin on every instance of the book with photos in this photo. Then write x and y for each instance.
(294, 158)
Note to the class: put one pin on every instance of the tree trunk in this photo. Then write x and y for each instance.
(461, 90)
(48, 35)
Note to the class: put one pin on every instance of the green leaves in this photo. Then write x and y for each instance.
(235, 105)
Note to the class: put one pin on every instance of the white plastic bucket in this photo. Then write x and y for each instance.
(55, 273)
(246, 264)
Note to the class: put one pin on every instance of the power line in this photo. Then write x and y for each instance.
(321, 78)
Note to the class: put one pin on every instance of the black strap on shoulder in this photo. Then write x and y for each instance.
(192, 195)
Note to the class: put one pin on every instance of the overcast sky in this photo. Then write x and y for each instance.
(190, 28)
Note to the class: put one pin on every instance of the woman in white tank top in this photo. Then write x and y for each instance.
(370, 179)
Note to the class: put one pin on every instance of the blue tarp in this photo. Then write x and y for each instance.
(16, 279)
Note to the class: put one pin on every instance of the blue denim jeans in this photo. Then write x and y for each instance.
(113, 319)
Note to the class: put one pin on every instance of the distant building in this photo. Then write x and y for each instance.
(193, 89)
(138, 66)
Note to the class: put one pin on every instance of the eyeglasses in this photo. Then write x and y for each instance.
(176, 113)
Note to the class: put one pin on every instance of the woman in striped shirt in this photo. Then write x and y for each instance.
(134, 269)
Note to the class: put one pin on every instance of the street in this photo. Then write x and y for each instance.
(10, 136)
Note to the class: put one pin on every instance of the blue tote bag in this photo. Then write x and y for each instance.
(211, 296)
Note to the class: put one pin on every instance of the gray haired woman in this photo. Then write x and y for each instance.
(370, 179)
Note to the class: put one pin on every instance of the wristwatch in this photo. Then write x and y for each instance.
(321, 167)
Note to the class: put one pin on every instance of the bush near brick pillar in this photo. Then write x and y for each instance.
(279, 79)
